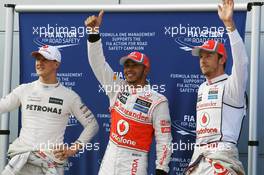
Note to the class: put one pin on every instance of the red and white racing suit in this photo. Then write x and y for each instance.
(46, 109)
(220, 111)
(136, 116)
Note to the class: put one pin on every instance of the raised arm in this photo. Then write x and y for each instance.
(103, 72)
(236, 84)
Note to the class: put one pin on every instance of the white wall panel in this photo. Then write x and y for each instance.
(248, 27)
(15, 79)
(46, 2)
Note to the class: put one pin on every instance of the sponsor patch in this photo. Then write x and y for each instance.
(206, 131)
(204, 119)
(35, 99)
(165, 129)
(145, 98)
(85, 111)
(212, 97)
(213, 91)
(32, 107)
(141, 108)
(165, 123)
(83, 107)
(199, 98)
(122, 98)
(134, 168)
(56, 101)
(143, 103)
(125, 93)
(136, 155)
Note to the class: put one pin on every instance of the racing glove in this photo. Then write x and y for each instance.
(161, 172)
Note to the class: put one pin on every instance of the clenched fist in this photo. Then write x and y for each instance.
(94, 22)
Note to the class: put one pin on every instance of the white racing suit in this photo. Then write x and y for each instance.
(45, 109)
(136, 116)
(220, 111)
(26, 161)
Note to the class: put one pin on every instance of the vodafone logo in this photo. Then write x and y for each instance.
(219, 169)
(122, 127)
(205, 119)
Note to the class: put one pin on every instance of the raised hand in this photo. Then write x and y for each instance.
(225, 13)
(94, 21)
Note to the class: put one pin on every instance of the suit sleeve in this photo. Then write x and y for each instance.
(86, 118)
(162, 127)
(236, 85)
(103, 72)
(11, 101)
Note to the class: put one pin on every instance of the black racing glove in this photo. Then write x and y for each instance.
(161, 172)
(93, 37)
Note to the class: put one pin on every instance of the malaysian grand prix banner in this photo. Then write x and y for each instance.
(166, 37)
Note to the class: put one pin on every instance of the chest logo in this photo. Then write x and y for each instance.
(122, 127)
(122, 98)
(205, 119)
(56, 101)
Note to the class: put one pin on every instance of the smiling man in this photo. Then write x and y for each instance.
(220, 103)
(137, 112)
(46, 106)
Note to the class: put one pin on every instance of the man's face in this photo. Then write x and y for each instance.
(210, 64)
(135, 73)
(44, 67)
